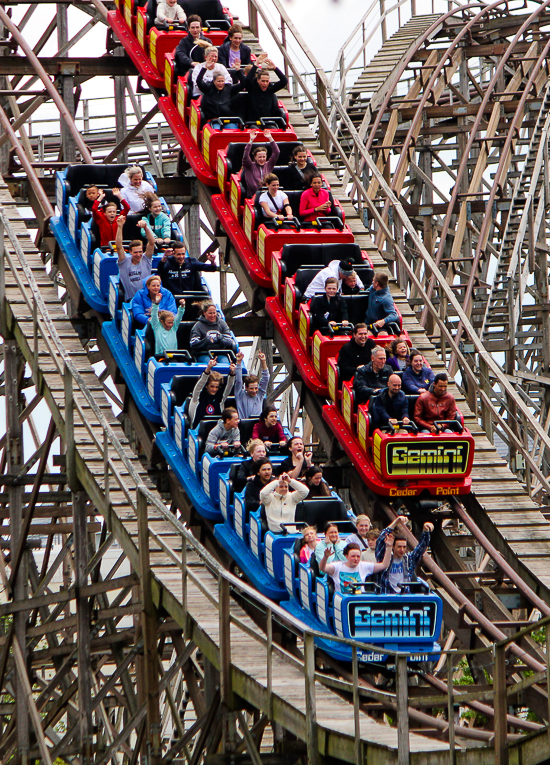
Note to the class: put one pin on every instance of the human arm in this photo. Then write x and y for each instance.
(165, 230)
(409, 382)
(214, 437)
(282, 83)
(264, 379)
(179, 315)
(416, 555)
(97, 213)
(317, 311)
(267, 492)
(225, 335)
(300, 490)
(155, 323)
(229, 383)
(247, 162)
(275, 152)
(380, 542)
(326, 568)
(121, 220)
(362, 386)
(268, 212)
(390, 312)
(204, 87)
(377, 411)
(150, 248)
(343, 310)
(385, 562)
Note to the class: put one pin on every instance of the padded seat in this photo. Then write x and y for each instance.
(318, 512)
(294, 200)
(79, 176)
(183, 335)
(295, 256)
(235, 151)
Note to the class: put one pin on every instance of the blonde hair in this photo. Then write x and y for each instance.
(163, 315)
(309, 528)
(362, 517)
(151, 279)
(253, 443)
(133, 170)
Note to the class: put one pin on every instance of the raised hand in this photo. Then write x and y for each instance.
(240, 357)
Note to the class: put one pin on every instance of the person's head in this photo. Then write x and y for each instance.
(152, 203)
(378, 358)
(380, 280)
(136, 251)
(272, 183)
(208, 311)
(262, 79)
(258, 154)
(135, 175)
(230, 418)
(352, 554)
(211, 55)
(441, 381)
(251, 385)
(331, 286)
(167, 319)
(295, 445)
(256, 449)
(345, 268)
(171, 3)
(399, 348)
(351, 280)
(153, 285)
(309, 534)
(219, 81)
(92, 193)
(299, 156)
(213, 383)
(314, 475)
(194, 25)
(394, 385)
(111, 211)
(361, 333)
(399, 547)
(416, 360)
(180, 252)
(331, 533)
(316, 183)
(362, 524)
(282, 486)
(269, 416)
(372, 536)
(235, 34)
(265, 470)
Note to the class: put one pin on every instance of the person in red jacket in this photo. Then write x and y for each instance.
(106, 218)
(315, 201)
(268, 428)
(435, 405)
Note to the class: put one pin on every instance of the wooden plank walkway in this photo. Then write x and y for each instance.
(335, 715)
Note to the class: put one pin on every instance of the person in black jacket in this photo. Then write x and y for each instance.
(254, 487)
(390, 406)
(178, 272)
(217, 96)
(190, 50)
(356, 353)
(248, 469)
(372, 377)
(300, 170)
(233, 50)
(329, 309)
(261, 101)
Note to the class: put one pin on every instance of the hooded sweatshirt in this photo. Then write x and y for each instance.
(203, 404)
(180, 277)
(219, 434)
(207, 335)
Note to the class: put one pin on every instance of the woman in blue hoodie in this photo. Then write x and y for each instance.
(153, 292)
(417, 377)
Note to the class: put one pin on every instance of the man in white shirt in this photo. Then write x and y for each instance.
(211, 65)
(348, 575)
(340, 269)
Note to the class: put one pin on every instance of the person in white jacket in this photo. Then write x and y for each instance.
(280, 503)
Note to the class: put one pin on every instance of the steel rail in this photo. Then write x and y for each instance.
(52, 92)
(491, 85)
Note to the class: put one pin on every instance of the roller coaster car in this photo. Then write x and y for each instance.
(310, 259)
(230, 161)
(215, 18)
(73, 178)
(326, 229)
(405, 464)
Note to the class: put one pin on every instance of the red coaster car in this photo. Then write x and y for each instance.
(405, 464)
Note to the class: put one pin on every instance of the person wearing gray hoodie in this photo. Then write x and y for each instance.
(225, 436)
(210, 332)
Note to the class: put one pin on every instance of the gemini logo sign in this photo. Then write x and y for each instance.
(449, 458)
(387, 619)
